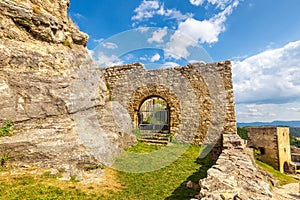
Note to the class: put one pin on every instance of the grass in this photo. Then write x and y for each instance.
(282, 178)
(7, 129)
(23, 21)
(38, 187)
(143, 148)
(166, 183)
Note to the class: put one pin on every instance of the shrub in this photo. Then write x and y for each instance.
(7, 129)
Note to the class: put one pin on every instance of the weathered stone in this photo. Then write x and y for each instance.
(46, 85)
(295, 154)
(235, 175)
(199, 97)
(274, 146)
(41, 22)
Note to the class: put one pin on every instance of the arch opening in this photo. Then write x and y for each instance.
(154, 115)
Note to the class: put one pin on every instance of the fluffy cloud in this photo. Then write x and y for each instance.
(169, 64)
(296, 109)
(267, 112)
(105, 60)
(220, 3)
(205, 31)
(196, 2)
(178, 45)
(269, 77)
(109, 45)
(148, 9)
(155, 58)
(157, 36)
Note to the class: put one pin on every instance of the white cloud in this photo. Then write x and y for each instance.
(197, 2)
(220, 3)
(177, 46)
(269, 77)
(157, 36)
(169, 64)
(105, 60)
(267, 112)
(175, 14)
(148, 9)
(143, 29)
(194, 31)
(205, 31)
(155, 58)
(294, 109)
(109, 45)
(78, 16)
(196, 61)
(91, 52)
(98, 40)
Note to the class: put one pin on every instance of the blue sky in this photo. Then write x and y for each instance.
(261, 37)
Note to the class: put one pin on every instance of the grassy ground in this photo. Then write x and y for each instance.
(282, 178)
(166, 183)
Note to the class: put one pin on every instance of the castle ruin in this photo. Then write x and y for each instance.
(272, 145)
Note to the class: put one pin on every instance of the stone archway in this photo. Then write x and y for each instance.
(153, 115)
(152, 90)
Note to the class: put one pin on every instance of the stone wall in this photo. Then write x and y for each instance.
(264, 139)
(284, 148)
(295, 154)
(200, 96)
(235, 174)
(274, 146)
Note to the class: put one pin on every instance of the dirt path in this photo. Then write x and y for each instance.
(288, 192)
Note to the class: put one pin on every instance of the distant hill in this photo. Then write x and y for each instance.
(294, 125)
(274, 123)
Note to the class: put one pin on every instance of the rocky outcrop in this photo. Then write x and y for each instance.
(41, 20)
(53, 92)
(235, 175)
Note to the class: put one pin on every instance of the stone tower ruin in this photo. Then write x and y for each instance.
(273, 144)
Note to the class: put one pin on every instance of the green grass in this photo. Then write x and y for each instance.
(166, 183)
(31, 187)
(282, 178)
(143, 148)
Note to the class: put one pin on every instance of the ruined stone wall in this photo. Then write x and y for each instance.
(200, 96)
(275, 142)
(265, 140)
(284, 149)
(235, 174)
(295, 154)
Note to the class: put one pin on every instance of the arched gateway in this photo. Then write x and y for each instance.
(153, 115)
(193, 103)
(152, 96)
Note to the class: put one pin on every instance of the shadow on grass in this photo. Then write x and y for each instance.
(182, 192)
